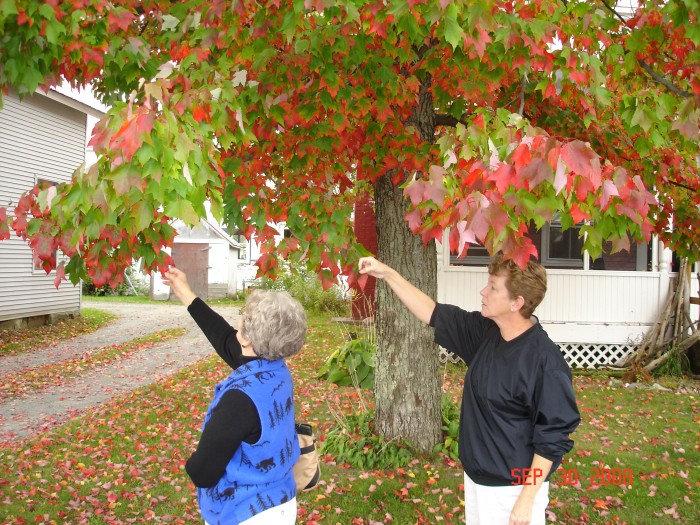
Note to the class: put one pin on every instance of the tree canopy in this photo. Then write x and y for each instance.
(289, 111)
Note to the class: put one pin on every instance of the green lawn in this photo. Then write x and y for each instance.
(123, 462)
(17, 341)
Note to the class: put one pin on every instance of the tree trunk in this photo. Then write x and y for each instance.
(407, 377)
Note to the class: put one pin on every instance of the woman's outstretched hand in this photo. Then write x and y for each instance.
(177, 280)
(373, 267)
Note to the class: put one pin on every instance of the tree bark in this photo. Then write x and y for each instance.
(407, 377)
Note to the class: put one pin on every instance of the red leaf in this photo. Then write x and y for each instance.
(522, 155)
(550, 90)
(609, 190)
(461, 238)
(499, 219)
(44, 245)
(435, 191)
(4, 227)
(327, 279)
(201, 113)
(19, 224)
(377, 27)
(60, 275)
(536, 172)
(582, 160)
(687, 128)
(524, 253)
(120, 17)
(560, 177)
(479, 225)
(578, 214)
(578, 76)
(503, 177)
(415, 190)
(583, 187)
(414, 220)
(128, 138)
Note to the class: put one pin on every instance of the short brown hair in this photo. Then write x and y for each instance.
(530, 284)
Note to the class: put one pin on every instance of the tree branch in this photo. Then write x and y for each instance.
(612, 10)
(679, 185)
(448, 120)
(656, 77)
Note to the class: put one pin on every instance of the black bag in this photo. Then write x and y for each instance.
(307, 471)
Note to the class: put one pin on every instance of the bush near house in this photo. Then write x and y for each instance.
(306, 288)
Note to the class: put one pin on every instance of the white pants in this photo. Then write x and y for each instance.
(493, 505)
(285, 514)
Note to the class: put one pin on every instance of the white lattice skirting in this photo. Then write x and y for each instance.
(578, 355)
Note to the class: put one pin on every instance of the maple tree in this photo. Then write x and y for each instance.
(481, 117)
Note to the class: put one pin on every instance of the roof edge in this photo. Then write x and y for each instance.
(71, 102)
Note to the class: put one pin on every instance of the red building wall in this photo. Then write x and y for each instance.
(363, 301)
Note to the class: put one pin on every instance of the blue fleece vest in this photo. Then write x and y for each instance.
(259, 476)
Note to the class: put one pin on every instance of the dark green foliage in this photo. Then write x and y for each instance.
(306, 288)
(351, 364)
(450, 429)
(354, 441)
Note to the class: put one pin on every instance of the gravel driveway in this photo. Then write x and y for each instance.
(28, 416)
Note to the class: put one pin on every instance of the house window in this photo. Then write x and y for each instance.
(238, 236)
(562, 248)
(476, 256)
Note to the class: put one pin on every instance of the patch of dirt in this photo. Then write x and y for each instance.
(31, 415)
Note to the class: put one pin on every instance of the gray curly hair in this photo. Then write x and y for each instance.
(274, 323)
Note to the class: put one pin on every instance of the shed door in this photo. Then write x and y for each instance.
(193, 259)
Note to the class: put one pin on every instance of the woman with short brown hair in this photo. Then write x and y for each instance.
(518, 403)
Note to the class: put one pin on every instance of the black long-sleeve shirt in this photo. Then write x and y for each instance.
(235, 418)
(518, 398)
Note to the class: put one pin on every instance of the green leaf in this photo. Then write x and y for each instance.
(182, 209)
(7, 8)
(642, 118)
(454, 34)
(170, 22)
(143, 214)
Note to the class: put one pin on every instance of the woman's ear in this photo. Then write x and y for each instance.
(517, 303)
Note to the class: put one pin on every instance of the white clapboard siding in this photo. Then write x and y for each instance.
(40, 138)
(596, 317)
(580, 306)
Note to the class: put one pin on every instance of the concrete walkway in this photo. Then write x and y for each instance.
(27, 416)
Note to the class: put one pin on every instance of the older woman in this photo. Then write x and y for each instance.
(518, 403)
(243, 463)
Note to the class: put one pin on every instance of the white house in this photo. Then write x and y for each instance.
(246, 267)
(209, 256)
(42, 138)
(596, 311)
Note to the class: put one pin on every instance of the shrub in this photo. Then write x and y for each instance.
(353, 441)
(351, 364)
(305, 287)
(677, 365)
(450, 429)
